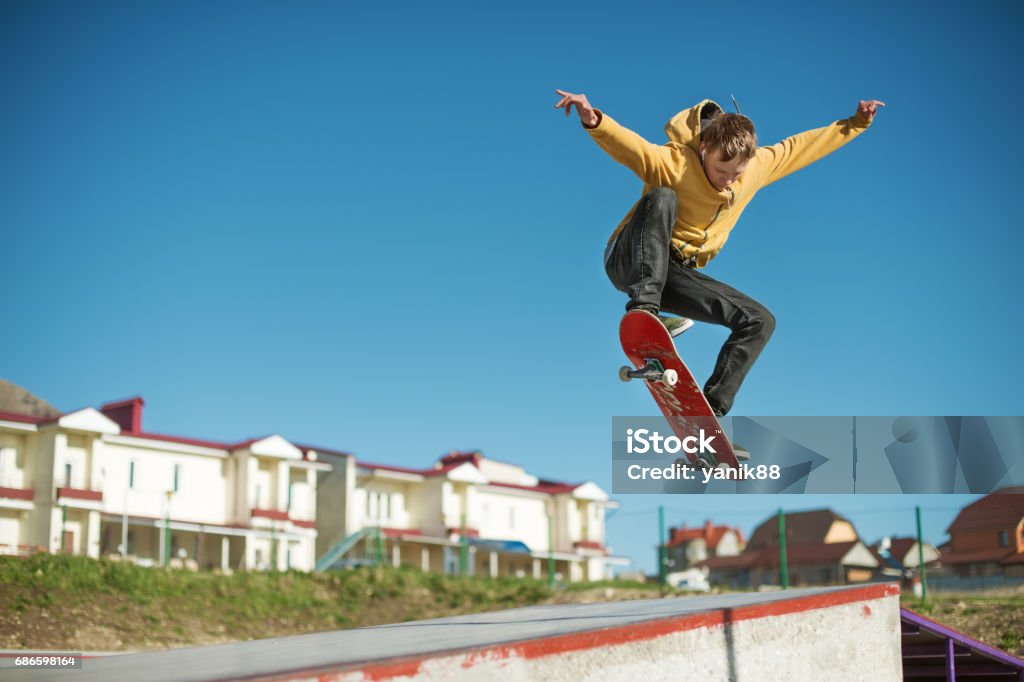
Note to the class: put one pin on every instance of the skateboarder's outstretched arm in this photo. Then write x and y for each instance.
(793, 153)
(656, 165)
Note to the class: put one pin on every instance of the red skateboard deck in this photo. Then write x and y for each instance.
(650, 348)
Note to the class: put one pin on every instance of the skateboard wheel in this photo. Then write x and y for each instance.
(670, 377)
(624, 373)
(706, 462)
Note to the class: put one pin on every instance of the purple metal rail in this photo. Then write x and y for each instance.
(932, 651)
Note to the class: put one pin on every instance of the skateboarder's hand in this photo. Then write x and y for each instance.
(587, 114)
(867, 108)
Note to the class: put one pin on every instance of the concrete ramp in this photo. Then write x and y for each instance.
(834, 634)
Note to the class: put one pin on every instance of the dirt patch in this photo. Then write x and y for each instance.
(998, 623)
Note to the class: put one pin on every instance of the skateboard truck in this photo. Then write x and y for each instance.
(652, 370)
(703, 461)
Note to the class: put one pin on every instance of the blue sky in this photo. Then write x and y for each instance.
(365, 226)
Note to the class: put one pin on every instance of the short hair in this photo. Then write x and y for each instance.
(732, 135)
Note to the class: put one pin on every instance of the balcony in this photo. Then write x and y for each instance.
(78, 495)
(591, 547)
(272, 514)
(279, 515)
(16, 494)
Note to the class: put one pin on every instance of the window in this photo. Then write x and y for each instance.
(131, 474)
(177, 476)
(389, 496)
(1004, 538)
(67, 475)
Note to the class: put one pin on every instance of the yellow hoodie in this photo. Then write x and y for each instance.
(706, 216)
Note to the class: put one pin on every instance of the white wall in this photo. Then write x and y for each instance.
(202, 484)
(511, 516)
(381, 503)
(424, 506)
(11, 529)
(729, 545)
(12, 461)
(76, 454)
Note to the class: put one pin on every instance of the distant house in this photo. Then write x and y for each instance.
(822, 548)
(987, 536)
(687, 547)
(899, 557)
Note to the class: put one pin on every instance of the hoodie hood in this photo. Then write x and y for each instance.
(685, 126)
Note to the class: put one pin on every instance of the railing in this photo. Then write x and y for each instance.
(22, 550)
(339, 550)
(85, 494)
(17, 488)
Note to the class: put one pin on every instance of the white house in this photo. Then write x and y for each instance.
(93, 482)
(468, 509)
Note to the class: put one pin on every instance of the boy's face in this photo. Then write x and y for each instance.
(721, 173)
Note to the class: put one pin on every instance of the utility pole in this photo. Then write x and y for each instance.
(63, 527)
(167, 529)
(463, 548)
(380, 546)
(661, 550)
(783, 570)
(920, 557)
(124, 516)
(551, 549)
(273, 545)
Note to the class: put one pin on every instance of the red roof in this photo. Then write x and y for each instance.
(10, 416)
(806, 528)
(748, 559)
(710, 533)
(546, 487)
(125, 413)
(899, 547)
(1001, 510)
(456, 459)
(796, 555)
(128, 414)
(325, 451)
(407, 470)
(183, 441)
(982, 556)
(25, 419)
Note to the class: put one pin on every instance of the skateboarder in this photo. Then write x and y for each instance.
(695, 188)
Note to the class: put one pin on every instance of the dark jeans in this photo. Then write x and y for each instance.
(641, 264)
